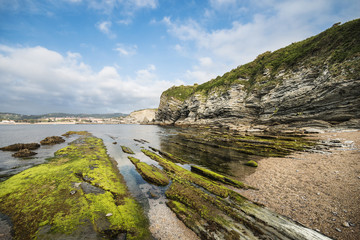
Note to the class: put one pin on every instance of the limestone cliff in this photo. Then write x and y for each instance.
(144, 116)
(316, 79)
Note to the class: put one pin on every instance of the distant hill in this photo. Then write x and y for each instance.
(15, 116)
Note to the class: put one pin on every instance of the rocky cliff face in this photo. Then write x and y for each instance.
(144, 116)
(315, 85)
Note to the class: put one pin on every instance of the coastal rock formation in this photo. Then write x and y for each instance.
(315, 82)
(24, 153)
(52, 140)
(20, 146)
(144, 116)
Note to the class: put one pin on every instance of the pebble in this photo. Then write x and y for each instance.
(338, 229)
(318, 193)
(346, 224)
(334, 213)
(109, 214)
(72, 192)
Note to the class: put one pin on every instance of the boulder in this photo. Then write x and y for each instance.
(24, 153)
(52, 140)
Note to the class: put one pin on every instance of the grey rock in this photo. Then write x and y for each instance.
(88, 188)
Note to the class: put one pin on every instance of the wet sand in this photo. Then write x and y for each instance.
(318, 190)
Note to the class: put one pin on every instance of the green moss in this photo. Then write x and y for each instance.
(127, 150)
(69, 133)
(218, 177)
(180, 92)
(150, 173)
(47, 194)
(181, 174)
(251, 163)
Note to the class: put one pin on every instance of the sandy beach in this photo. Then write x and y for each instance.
(319, 190)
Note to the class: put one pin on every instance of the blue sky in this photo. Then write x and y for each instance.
(105, 56)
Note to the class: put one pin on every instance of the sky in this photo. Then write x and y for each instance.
(109, 56)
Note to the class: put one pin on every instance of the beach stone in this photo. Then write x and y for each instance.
(153, 195)
(338, 229)
(346, 224)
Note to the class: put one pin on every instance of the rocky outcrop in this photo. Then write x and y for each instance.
(20, 146)
(305, 83)
(52, 140)
(24, 153)
(144, 116)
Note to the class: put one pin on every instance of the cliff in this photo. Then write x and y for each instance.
(315, 81)
(144, 116)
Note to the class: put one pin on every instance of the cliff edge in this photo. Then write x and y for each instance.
(312, 82)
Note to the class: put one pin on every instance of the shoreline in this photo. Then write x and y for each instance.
(319, 190)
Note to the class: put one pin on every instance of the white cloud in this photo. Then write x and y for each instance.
(126, 50)
(274, 25)
(145, 3)
(105, 27)
(40, 80)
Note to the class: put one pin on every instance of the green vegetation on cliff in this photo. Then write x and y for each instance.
(78, 192)
(180, 92)
(333, 48)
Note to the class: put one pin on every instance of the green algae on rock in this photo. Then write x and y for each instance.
(69, 133)
(48, 201)
(213, 211)
(251, 163)
(127, 150)
(181, 174)
(52, 140)
(218, 177)
(150, 173)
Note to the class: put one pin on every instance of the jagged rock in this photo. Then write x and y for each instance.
(52, 140)
(20, 146)
(24, 153)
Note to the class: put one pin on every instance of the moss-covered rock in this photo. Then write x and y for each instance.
(127, 150)
(24, 153)
(20, 146)
(52, 140)
(47, 201)
(151, 173)
(218, 177)
(251, 163)
(181, 174)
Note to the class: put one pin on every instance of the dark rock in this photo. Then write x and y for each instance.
(19, 146)
(24, 153)
(88, 188)
(114, 143)
(52, 140)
